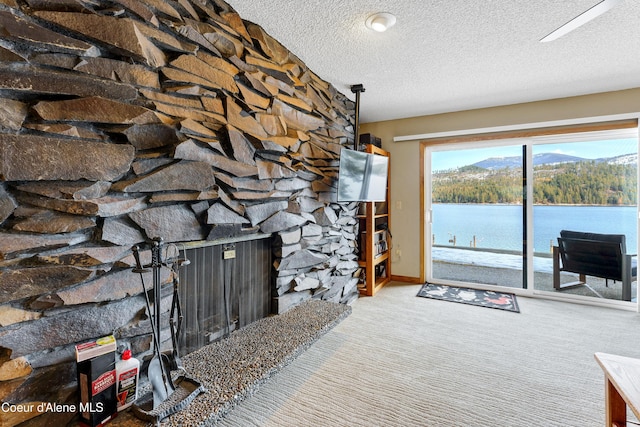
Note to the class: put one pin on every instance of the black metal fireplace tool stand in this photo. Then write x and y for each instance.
(166, 396)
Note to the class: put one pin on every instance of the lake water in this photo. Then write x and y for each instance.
(500, 226)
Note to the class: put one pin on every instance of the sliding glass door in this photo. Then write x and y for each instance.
(495, 210)
(584, 184)
(476, 205)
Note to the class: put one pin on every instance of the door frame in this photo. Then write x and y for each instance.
(480, 136)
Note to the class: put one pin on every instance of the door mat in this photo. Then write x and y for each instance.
(482, 298)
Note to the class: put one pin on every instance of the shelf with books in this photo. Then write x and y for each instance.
(375, 240)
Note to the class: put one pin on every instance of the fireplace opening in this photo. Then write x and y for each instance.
(226, 286)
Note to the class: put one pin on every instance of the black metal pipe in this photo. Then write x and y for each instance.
(356, 138)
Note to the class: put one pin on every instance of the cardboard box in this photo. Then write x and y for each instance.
(97, 381)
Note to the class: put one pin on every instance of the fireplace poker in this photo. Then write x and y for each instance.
(158, 370)
(159, 394)
(155, 377)
(155, 369)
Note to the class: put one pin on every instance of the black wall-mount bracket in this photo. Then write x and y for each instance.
(357, 88)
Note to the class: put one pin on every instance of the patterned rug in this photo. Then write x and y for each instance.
(490, 299)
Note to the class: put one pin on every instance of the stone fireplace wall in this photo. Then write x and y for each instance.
(123, 121)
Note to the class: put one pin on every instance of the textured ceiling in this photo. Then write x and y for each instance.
(452, 55)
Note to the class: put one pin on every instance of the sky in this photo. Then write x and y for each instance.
(443, 160)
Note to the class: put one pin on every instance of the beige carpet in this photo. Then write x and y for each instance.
(399, 360)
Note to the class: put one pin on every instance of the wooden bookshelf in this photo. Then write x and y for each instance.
(375, 239)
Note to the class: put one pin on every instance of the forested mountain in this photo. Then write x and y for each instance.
(556, 181)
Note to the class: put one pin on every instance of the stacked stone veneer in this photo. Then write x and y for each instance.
(126, 120)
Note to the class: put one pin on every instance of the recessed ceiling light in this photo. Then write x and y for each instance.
(380, 22)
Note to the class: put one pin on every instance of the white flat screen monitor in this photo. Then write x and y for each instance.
(362, 177)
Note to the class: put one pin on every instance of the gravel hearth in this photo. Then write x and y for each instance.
(232, 369)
